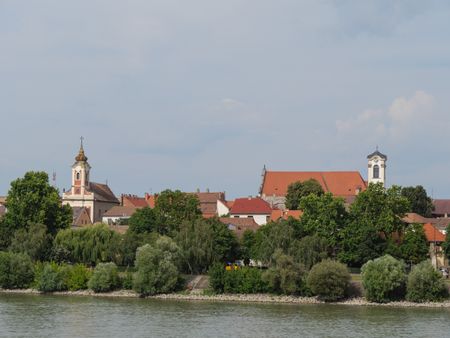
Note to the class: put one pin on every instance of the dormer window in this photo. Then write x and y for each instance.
(376, 171)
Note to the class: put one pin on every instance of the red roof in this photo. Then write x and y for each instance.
(285, 214)
(240, 225)
(133, 201)
(441, 207)
(250, 206)
(339, 183)
(433, 234)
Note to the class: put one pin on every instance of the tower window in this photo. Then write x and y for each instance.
(78, 175)
(376, 171)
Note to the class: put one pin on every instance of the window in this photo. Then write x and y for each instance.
(376, 171)
(78, 175)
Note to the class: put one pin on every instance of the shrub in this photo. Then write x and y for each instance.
(51, 277)
(127, 281)
(105, 278)
(244, 280)
(425, 284)
(329, 280)
(16, 270)
(78, 278)
(384, 279)
(286, 276)
(216, 277)
(157, 271)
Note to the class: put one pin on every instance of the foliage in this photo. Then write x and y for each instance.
(34, 241)
(51, 277)
(384, 279)
(129, 242)
(446, 244)
(78, 277)
(16, 270)
(425, 284)
(273, 236)
(375, 216)
(419, 201)
(297, 190)
(127, 281)
(174, 207)
(32, 199)
(89, 245)
(156, 266)
(414, 246)
(329, 280)
(144, 220)
(324, 215)
(246, 245)
(105, 278)
(309, 251)
(205, 241)
(244, 280)
(285, 276)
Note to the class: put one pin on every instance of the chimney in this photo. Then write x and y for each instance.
(207, 189)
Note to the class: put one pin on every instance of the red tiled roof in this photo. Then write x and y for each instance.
(240, 225)
(339, 183)
(120, 211)
(412, 217)
(285, 214)
(441, 207)
(433, 234)
(134, 201)
(250, 206)
(103, 192)
(151, 200)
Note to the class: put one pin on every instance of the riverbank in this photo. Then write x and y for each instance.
(247, 298)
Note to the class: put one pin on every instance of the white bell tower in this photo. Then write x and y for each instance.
(377, 168)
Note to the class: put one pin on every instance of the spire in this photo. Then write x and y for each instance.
(81, 157)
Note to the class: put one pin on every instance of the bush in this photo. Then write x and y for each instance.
(127, 281)
(425, 284)
(157, 271)
(286, 276)
(105, 278)
(384, 279)
(78, 278)
(329, 280)
(16, 270)
(244, 280)
(51, 277)
(216, 277)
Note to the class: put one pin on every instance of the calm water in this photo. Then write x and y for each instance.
(59, 316)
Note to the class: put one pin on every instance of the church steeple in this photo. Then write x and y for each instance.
(80, 172)
(81, 157)
(377, 167)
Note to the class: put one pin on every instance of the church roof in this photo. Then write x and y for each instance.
(339, 183)
(103, 193)
(377, 153)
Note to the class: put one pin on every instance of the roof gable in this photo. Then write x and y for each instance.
(250, 206)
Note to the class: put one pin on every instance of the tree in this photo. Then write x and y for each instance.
(446, 244)
(129, 242)
(246, 243)
(329, 280)
(34, 241)
(425, 284)
(309, 251)
(105, 278)
(174, 207)
(16, 270)
(297, 190)
(414, 247)
(375, 216)
(32, 199)
(157, 270)
(420, 202)
(144, 220)
(325, 216)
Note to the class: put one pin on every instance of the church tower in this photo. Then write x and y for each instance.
(80, 173)
(377, 168)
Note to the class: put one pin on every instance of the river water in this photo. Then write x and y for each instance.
(62, 316)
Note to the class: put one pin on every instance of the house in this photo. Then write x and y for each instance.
(128, 200)
(278, 214)
(95, 197)
(441, 208)
(345, 184)
(209, 202)
(118, 215)
(240, 225)
(80, 217)
(435, 238)
(251, 207)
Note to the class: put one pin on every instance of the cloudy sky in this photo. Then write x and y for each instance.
(203, 93)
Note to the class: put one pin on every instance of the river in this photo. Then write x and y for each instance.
(63, 316)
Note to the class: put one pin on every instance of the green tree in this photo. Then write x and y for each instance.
(384, 279)
(325, 216)
(246, 245)
(16, 270)
(129, 242)
(174, 207)
(414, 247)
(144, 220)
(329, 280)
(157, 270)
(105, 278)
(32, 199)
(35, 241)
(309, 251)
(419, 201)
(297, 190)
(425, 284)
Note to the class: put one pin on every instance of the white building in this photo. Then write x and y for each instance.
(95, 197)
(376, 172)
(251, 207)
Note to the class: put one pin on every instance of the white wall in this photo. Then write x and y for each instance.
(259, 219)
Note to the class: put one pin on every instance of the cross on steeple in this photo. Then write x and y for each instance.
(81, 142)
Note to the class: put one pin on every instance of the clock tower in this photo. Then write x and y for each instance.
(377, 168)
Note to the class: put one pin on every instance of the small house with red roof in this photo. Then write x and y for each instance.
(251, 207)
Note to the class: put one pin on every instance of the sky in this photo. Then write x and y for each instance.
(203, 93)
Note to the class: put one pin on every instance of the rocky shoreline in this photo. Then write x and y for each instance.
(247, 298)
